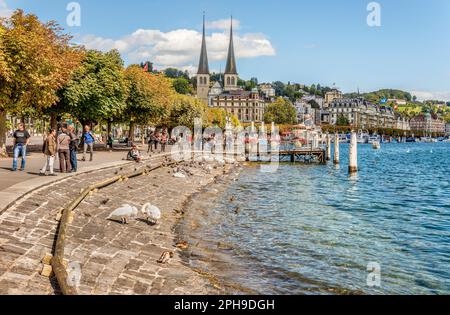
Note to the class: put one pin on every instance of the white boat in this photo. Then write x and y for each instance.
(376, 145)
(374, 138)
(362, 137)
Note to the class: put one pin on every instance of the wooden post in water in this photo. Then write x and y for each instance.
(353, 154)
(328, 147)
(336, 148)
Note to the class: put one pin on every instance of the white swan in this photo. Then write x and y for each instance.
(152, 213)
(124, 212)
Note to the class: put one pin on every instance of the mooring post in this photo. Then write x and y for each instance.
(353, 154)
(336, 148)
(328, 157)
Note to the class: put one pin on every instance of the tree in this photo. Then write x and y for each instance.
(279, 88)
(149, 97)
(184, 111)
(174, 73)
(281, 112)
(39, 61)
(97, 90)
(342, 121)
(182, 86)
(216, 117)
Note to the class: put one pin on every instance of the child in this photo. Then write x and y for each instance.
(134, 155)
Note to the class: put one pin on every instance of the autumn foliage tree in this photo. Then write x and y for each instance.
(149, 97)
(36, 60)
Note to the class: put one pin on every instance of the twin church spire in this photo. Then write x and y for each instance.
(203, 75)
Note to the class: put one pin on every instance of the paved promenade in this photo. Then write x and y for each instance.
(114, 258)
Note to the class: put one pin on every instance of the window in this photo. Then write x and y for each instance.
(232, 81)
(228, 81)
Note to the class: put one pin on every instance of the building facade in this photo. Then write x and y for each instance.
(402, 123)
(267, 90)
(447, 128)
(361, 113)
(428, 123)
(331, 96)
(248, 106)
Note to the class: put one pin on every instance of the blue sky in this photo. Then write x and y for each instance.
(324, 42)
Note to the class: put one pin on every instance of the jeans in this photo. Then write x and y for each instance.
(91, 149)
(73, 159)
(64, 161)
(19, 149)
(49, 161)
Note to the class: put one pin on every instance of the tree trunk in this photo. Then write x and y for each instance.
(2, 128)
(131, 132)
(53, 121)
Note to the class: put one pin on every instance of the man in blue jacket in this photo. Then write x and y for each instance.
(88, 140)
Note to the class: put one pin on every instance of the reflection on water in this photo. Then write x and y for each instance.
(314, 229)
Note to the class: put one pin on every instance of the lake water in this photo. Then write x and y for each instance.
(309, 229)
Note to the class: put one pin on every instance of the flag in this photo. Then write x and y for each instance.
(146, 67)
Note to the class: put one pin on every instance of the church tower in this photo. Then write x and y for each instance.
(231, 75)
(203, 76)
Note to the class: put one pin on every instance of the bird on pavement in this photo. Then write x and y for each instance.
(151, 212)
(124, 213)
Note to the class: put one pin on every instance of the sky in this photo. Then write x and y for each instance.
(324, 41)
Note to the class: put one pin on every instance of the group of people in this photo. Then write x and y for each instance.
(156, 138)
(63, 144)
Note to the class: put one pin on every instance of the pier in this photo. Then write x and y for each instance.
(302, 155)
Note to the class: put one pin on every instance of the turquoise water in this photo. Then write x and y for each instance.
(313, 229)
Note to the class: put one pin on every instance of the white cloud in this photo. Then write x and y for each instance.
(224, 24)
(5, 11)
(431, 95)
(180, 48)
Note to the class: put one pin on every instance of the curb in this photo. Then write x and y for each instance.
(13, 194)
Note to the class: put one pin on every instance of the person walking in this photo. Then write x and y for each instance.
(21, 140)
(151, 141)
(164, 139)
(49, 150)
(63, 146)
(73, 148)
(88, 140)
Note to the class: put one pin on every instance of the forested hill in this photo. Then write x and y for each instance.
(381, 94)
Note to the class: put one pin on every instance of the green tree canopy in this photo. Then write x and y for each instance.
(182, 86)
(342, 121)
(97, 90)
(184, 111)
(281, 112)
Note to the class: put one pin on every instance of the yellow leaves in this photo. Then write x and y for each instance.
(39, 58)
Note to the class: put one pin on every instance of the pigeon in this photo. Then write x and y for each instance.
(124, 212)
(152, 213)
(165, 257)
(179, 175)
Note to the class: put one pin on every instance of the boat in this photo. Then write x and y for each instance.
(374, 138)
(376, 145)
(362, 137)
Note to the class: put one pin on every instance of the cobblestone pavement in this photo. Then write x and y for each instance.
(114, 258)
